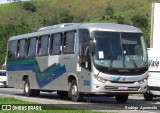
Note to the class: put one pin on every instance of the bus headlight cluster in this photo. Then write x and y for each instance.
(142, 81)
(100, 79)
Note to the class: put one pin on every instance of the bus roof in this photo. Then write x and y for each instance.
(73, 26)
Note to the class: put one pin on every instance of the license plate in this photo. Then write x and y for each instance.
(122, 88)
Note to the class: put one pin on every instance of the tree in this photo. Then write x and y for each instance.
(140, 21)
(109, 11)
(66, 17)
(51, 21)
(28, 6)
(120, 20)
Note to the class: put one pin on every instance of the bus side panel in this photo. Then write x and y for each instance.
(59, 84)
(42, 63)
(15, 79)
(70, 63)
(54, 76)
(86, 83)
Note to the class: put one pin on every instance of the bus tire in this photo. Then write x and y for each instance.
(121, 98)
(27, 91)
(148, 96)
(74, 93)
(62, 94)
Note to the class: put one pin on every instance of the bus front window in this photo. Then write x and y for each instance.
(114, 50)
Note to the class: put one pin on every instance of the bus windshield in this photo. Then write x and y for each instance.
(116, 50)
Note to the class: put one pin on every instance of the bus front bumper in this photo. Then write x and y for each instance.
(3, 83)
(129, 88)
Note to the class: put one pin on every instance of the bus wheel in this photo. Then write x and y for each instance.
(148, 96)
(121, 98)
(74, 93)
(62, 94)
(27, 91)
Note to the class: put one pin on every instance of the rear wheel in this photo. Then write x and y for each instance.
(74, 92)
(29, 92)
(148, 96)
(121, 98)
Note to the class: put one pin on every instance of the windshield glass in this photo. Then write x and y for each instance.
(116, 50)
(2, 73)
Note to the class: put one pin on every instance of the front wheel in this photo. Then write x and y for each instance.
(74, 93)
(121, 98)
(148, 96)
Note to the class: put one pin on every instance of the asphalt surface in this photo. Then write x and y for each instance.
(134, 104)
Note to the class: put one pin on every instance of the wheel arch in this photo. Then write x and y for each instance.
(23, 79)
(70, 78)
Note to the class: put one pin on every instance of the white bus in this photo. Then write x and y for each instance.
(77, 59)
(153, 89)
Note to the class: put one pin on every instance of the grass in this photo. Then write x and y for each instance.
(14, 13)
(48, 109)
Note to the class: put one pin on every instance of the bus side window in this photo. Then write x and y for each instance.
(22, 48)
(56, 44)
(69, 46)
(12, 47)
(84, 58)
(32, 51)
(44, 45)
(18, 48)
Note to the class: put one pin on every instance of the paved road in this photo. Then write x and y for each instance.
(102, 103)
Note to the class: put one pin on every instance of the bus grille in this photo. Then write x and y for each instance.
(114, 88)
(121, 82)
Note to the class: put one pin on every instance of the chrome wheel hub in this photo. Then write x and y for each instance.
(74, 90)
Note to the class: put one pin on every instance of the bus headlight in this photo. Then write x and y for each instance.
(143, 80)
(100, 79)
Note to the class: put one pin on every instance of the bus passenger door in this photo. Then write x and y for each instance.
(85, 74)
(84, 61)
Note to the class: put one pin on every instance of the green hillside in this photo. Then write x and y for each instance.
(24, 17)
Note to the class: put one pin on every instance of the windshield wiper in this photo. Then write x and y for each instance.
(131, 57)
(111, 57)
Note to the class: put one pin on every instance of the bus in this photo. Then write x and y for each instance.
(79, 59)
(153, 88)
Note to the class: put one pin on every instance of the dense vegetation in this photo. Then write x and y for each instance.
(24, 17)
